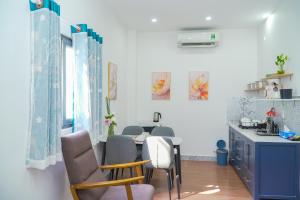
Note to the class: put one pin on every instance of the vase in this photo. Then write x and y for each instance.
(280, 70)
(111, 130)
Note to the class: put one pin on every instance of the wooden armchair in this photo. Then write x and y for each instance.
(87, 180)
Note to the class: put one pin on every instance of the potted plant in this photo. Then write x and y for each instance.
(280, 63)
(110, 120)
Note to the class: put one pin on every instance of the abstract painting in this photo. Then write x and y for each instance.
(161, 82)
(198, 85)
(112, 81)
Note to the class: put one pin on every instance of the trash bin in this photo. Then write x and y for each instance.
(222, 153)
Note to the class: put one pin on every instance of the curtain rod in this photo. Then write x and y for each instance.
(63, 19)
(68, 22)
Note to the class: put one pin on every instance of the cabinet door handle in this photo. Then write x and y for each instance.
(246, 179)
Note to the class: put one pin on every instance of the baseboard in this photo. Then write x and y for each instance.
(198, 158)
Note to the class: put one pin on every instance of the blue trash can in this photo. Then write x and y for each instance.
(222, 153)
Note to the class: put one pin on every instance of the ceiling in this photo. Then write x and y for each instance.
(190, 14)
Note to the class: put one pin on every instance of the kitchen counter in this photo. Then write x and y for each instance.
(268, 165)
(251, 134)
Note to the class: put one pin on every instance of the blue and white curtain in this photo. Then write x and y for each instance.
(88, 81)
(45, 123)
(98, 88)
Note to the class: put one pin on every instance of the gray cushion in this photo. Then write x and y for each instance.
(163, 131)
(79, 156)
(82, 167)
(93, 194)
(139, 192)
(81, 163)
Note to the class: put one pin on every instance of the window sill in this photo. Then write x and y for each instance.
(67, 126)
(66, 131)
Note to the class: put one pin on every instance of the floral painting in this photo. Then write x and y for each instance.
(161, 82)
(198, 85)
(112, 81)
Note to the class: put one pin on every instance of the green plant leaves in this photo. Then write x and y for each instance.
(281, 60)
(107, 100)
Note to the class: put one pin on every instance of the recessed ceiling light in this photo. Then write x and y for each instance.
(154, 20)
(208, 18)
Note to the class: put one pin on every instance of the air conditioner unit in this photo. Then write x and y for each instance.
(198, 39)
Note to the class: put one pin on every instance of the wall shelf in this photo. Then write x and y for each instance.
(280, 100)
(254, 90)
(278, 76)
(270, 76)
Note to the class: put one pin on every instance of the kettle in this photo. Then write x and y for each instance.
(156, 116)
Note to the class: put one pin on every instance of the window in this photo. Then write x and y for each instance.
(68, 60)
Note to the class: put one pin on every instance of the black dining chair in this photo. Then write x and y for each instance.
(160, 152)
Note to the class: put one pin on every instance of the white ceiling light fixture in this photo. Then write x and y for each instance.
(208, 18)
(154, 20)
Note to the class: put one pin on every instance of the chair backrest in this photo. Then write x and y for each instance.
(163, 131)
(132, 130)
(159, 151)
(120, 149)
(81, 163)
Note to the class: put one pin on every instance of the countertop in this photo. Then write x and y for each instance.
(251, 134)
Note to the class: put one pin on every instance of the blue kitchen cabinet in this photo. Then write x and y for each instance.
(270, 170)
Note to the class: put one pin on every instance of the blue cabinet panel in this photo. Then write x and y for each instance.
(277, 169)
(269, 170)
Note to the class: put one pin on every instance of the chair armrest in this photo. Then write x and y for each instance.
(126, 182)
(84, 186)
(125, 165)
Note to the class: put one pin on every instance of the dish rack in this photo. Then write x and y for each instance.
(248, 125)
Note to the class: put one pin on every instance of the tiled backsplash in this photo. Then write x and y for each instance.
(288, 110)
(239, 107)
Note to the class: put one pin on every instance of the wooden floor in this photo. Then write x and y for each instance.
(203, 180)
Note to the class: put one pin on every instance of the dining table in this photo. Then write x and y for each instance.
(139, 140)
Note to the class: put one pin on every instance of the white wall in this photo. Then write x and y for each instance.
(131, 80)
(280, 34)
(17, 182)
(200, 123)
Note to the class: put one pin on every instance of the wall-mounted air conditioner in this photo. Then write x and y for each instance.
(197, 39)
